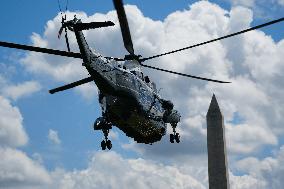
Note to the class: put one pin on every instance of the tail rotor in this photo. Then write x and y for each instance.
(67, 40)
(64, 25)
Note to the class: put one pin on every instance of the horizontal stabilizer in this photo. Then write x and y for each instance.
(92, 25)
(71, 85)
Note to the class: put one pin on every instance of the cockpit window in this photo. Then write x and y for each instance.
(147, 80)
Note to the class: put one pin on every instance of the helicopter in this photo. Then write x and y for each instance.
(129, 100)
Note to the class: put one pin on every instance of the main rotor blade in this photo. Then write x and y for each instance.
(71, 85)
(217, 39)
(40, 49)
(93, 25)
(182, 74)
(48, 51)
(118, 4)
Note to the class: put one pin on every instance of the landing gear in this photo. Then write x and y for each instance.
(103, 145)
(102, 124)
(106, 143)
(172, 138)
(175, 136)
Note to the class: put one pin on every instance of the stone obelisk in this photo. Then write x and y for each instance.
(216, 146)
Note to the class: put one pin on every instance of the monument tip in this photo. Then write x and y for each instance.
(214, 107)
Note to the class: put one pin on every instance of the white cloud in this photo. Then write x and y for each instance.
(88, 90)
(269, 170)
(19, 171)
(247, 3)
(246, 181)
(113, 135)
(281, 2)
(244, 139)
(264, 9)
(53, 137)
(254, 3)
(12, 132)
(21, 90)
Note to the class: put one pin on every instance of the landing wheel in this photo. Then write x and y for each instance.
(108, 144)
(177, 137)
(172, 138)
(103, 145)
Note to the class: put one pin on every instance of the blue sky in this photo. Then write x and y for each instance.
(71, 115)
